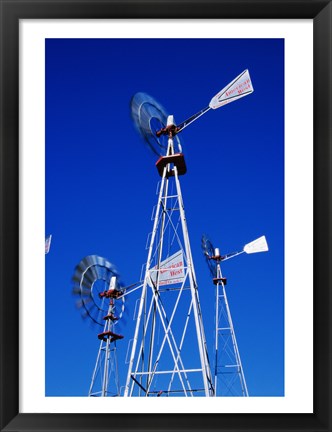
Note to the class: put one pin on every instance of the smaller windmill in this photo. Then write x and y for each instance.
(102, 300)
(229, 379)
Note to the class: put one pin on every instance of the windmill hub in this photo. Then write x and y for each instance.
(217, 256)
(111, 293)
(170, 131)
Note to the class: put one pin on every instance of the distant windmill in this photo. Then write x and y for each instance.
(228, 367)
(48, 241)
(101, 299)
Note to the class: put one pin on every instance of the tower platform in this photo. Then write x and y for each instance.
(175, 159)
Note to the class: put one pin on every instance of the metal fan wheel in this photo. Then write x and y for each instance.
(149, 117)
(92, 277)
(208, 251)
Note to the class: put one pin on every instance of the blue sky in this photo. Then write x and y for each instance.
(101, 181)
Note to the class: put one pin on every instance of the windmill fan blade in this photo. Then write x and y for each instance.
(208, 252)
(79, 281)
(91, 282)
(82, 277)
(87, 317)
(91, 262)
(82, 265)
(258, 245)
(238, 88)
(76, 290)
(92, 311)
(103, 263)
(84, 314)
(207, 246)
(212, 267)
(88, 309)
(102, 273)
(99, 261)
(92, 320)
(81, 291)
(76, 279)
(147, 112)
(82, 303)
(149, 117)
(88, 276)
(79, 304)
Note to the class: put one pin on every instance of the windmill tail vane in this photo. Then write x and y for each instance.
(258, 245)
(144, 109)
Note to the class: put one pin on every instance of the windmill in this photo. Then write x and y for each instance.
(229, 379)
(168, 353)
(102, 300)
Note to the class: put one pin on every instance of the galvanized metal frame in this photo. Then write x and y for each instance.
(106, 366)
(136, 368)
(222, 302)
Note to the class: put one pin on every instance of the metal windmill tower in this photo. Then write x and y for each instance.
(168, 353)
(229, 379)
(101, 299)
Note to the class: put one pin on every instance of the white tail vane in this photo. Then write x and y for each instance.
(48, 244)
(241, 86)
(258, 245)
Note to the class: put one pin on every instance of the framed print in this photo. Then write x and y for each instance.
(128, 177)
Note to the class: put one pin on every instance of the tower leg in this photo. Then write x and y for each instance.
(105, 379)
(229, 379)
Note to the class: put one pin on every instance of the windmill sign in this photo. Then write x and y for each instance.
(171, 270)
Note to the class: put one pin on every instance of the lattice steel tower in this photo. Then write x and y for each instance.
(96, 281)
(169, 353)
(229, 379)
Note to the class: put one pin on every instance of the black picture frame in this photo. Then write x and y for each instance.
(14, 10)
